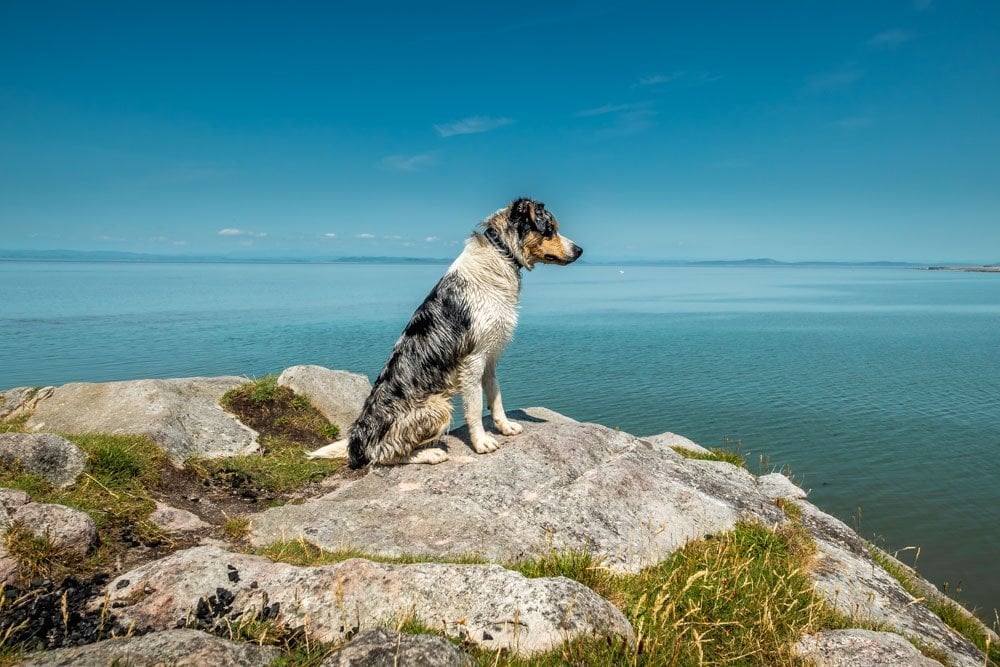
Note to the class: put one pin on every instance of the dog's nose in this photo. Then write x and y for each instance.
(577, 251)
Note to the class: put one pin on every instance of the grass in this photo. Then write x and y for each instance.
(113, 490)
(954, 616)
(742, 597)
(15, 425)
(713, 454)
(289, 425)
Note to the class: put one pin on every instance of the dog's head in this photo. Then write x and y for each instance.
(532, 234)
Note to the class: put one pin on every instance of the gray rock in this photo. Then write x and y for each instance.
(486, 604)
(672, 440)
(21, 401)
(174, 520)
(183, 415)
(338, 395)
(851, 648)
(65, 527)
(11, 499)
(379, 647)
(561, 485)
(173, 648)
(50, 456)
(847, 576)
(778, 487)
(8, 565)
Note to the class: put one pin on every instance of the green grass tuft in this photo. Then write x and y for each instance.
(714, 454)
(15, 425)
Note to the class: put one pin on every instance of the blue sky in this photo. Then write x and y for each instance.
(795, 130)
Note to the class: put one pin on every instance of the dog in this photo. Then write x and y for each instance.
(452, 344)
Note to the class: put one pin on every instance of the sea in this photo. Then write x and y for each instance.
(876, 389)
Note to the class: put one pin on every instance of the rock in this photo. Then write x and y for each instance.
(183, 415)
(173, 648)
(384, 648)
(560, 484)
(65, 528)
(11, 499)
(851, 581)
(850, 648)
(669, 439)
(174, 520)
(21, 401)
(8, 565)
(778, 487)
(338, 395)
(50, 456)
(485, 604)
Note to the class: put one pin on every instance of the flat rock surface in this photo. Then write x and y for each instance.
(173, 648)
(182, 415)
(50, 456)
(560, 484)
(379, 647)
(64, 527)
(172, 519)
(847, 576)
(668, 439)
(854, 648)
(486, 604)
(338, 395)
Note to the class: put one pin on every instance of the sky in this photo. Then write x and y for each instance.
(798, 130)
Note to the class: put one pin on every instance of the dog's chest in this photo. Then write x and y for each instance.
(494, 317)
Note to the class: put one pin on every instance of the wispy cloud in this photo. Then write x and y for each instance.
(658, 79)
(431, 239)
(472, 125)
(408, 162)
(890, 39)
(231, 231)
(364, 235)
(329, 235)
(606, 109)
(833, 81)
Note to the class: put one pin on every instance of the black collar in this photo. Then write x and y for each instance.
(494, 238)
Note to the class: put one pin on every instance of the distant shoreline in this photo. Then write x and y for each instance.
(980, 269)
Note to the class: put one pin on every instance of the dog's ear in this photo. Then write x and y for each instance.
(528, 215)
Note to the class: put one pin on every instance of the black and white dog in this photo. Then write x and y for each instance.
(453, 343)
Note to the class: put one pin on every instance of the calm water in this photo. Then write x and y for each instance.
(879, 388)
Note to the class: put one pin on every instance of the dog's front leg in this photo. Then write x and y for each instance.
(493, 397)
(472, 405)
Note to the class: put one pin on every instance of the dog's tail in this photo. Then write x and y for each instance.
(335, 450)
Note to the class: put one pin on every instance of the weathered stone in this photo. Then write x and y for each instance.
(65, 527)
(338, 395)
(21, 401)
(50, 456)
(485, 604)
(379, 647)
(173, 648)
(183, 415)
(778, 487)
(561, 485)
(847, 576)
(174, 520)
(851, 648)
(11, 499)
(669, 439)
(8, 566)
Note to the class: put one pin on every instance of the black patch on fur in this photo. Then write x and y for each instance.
(521, 217)
(422, 361)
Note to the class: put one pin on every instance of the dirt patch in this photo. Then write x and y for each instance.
(278, 413)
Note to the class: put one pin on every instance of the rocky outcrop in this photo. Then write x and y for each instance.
(49, 456)
(65, 527)
(176, 648)
(183, 416)
(384, 648)
(485, 604)
(21, 401)
(852, 581)
(560, 485)
(852, 648)
(338, 395)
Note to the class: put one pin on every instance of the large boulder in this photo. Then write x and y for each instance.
(66, 528)
(852, 648)
(176, 648)
(21, 401)
(338, 395)
(183, 415)
(380, 647)
(485, 604)
(49, 456)
(560, 484)
(850, 579)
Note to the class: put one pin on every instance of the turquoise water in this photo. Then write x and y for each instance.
(879, 388)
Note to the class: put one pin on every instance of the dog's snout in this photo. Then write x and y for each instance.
(577, 251)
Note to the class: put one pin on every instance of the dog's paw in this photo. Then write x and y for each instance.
(430, 455)
(508, 427)
(485, 445)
